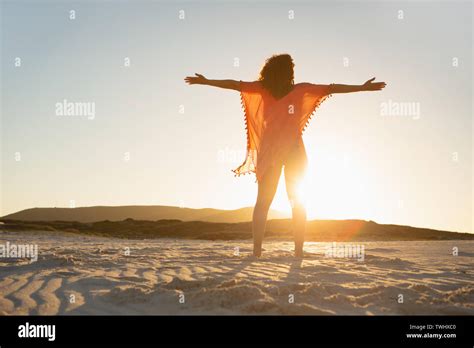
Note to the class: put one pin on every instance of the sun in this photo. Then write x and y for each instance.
(334, 187)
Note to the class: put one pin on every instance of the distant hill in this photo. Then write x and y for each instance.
(137, 212)
(317, 230)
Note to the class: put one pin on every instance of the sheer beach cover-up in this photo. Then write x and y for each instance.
(274, 126)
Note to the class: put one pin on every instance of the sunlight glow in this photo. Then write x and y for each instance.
(335, 187)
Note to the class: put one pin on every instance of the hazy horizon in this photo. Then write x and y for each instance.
(152, 140)
(285, 215)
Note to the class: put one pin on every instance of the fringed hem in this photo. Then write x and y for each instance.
(237, 171)
(315, 107)
(246, 118)
(237, 174)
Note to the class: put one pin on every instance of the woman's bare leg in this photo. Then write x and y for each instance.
(266, 191)
(294, 174)
(299, 227)
(299, 218)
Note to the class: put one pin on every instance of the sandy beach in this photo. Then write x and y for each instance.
(76, 275)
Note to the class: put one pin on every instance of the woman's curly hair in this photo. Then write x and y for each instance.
(277, 75)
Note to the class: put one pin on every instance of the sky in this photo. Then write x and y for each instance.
(400, 156)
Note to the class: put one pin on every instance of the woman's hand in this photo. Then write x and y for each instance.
(367, 86)
(196, 80)
(373, 86)
(201, 80)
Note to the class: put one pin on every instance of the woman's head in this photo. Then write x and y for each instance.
(277, 75)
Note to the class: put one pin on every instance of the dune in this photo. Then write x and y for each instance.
(317, 230)
(77, 275)
(136, 212)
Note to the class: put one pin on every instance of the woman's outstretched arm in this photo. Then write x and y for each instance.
(367, 86)
(201, 80)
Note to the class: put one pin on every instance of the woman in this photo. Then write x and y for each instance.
(276, 114)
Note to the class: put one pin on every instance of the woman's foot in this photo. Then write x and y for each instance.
(257, 252)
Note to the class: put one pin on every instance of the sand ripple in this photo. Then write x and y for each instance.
(111, 276)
